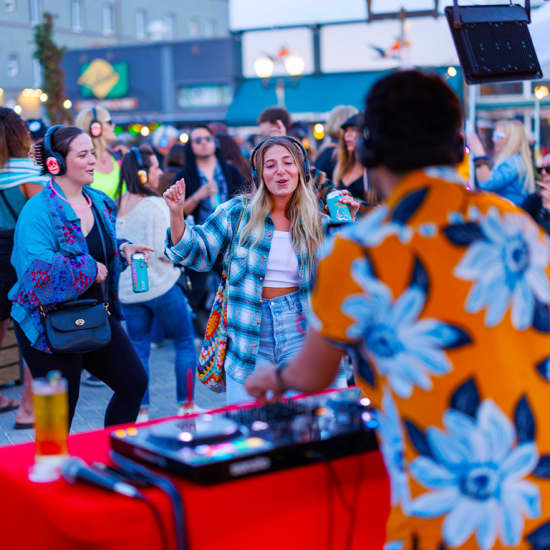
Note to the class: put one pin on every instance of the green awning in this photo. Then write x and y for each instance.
(309, 94)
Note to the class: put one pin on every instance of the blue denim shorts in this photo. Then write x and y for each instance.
(282, 332)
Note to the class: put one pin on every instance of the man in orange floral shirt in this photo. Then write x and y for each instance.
(443, 297)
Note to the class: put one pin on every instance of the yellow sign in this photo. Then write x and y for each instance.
(100, 77)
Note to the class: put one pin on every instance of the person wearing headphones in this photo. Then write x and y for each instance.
(444, 296)
(275, 242)
(97, 123)
(65, 249)
(144, 217)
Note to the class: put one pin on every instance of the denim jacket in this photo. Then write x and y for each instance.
(508, 180)
(51, 258)
(198, 249)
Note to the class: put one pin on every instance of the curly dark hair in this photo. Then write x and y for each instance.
(15, 139)
(414, 120)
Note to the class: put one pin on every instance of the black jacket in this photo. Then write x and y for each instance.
(534, 207)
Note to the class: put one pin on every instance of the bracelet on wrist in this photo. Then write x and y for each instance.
(279, 377)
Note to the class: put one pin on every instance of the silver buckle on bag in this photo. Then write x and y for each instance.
(80, 322)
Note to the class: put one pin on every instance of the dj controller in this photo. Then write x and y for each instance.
(238, 442)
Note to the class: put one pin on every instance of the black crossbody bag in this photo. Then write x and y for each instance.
(79, 326)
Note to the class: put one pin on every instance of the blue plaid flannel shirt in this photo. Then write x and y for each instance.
(198, 249)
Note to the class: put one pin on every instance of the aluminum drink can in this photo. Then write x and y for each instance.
(338, 210)
(140, 279)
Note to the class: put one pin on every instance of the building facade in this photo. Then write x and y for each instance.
(97, 23)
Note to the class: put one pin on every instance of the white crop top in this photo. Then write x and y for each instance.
(282, 263)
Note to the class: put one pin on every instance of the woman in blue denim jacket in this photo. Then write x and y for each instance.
(58, 257)
(271, 269)
(512, 175)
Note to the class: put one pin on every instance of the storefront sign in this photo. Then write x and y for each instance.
(124, 104)
(102, 80)
(207, 95)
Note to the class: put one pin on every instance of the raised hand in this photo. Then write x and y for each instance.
(175, 196)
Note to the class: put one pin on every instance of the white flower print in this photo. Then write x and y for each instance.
(476, 474)
(392, 446)
(508, 268)
(404, 348)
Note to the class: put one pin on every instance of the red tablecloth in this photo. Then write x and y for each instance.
(280, 510)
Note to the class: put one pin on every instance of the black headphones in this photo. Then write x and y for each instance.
(307, 167)
(96, 129)
(368, 151)
(142, 174)
(54, 162)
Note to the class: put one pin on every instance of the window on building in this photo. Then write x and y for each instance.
(108, 19)
(501, 88)
(170, 26)
(34, 11)
(210, 28)
(10, 5)
(13, 64)
(194, 26)
(141, 23)
(76, 14)
(36, 73)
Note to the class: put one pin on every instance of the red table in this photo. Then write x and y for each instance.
(280, 510)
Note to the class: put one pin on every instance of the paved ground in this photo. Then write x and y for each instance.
(93, 401)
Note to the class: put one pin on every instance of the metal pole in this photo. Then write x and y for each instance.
(471, 127)
(280, 91)
(537, 127)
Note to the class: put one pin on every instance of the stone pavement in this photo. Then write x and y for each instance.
(93, 401)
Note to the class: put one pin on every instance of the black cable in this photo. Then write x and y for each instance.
(158, 519)
(136, 471)
(351, 509)
(119, 474)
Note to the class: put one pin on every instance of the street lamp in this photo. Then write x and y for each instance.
(263, 67)
(540, 93)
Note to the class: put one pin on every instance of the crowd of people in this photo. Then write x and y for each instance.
(439, 293)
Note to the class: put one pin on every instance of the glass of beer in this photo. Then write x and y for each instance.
(51, 406)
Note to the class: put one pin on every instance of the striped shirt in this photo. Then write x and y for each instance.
(198, 249)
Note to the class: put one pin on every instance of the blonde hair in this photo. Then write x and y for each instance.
(302, 210)
(346, 160)
(337, 117)
(83, 121)
(516, 143)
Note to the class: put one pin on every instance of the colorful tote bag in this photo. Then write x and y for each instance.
(214, 347)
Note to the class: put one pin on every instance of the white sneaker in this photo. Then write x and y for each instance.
(189, 409)
(142, 417)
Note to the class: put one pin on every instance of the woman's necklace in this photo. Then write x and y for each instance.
(73, 205)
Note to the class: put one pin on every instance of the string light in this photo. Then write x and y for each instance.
(184, 137)
(145, 131)
(451, 71)
(318, 131)
(67, 104)
(18, 109)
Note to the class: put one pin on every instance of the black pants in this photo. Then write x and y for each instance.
(117, 364)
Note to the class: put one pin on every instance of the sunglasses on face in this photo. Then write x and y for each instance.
(541, 169)
(206, 139)
(498, 135)
(109, 122)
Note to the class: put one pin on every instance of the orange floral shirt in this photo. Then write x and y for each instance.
(442, 295)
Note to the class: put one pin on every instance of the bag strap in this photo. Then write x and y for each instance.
(100, 230)
(8, 206)
(233, 239)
